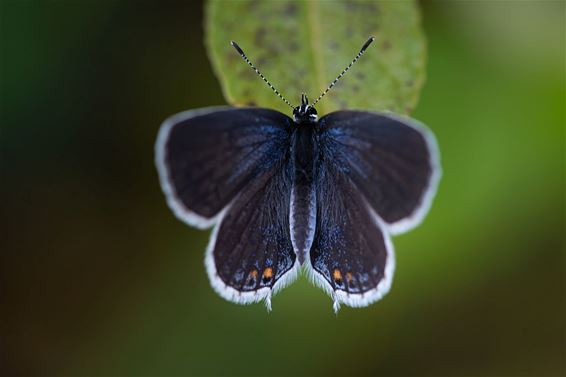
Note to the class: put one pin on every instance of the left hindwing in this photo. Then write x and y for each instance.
(250, 254)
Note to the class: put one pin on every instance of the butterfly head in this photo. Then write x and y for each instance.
(305, 112)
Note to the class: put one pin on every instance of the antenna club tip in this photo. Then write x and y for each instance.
(368, 42)
(238, 48)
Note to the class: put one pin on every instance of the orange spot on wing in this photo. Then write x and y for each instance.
(254, 273)
(349, 276)
(336, 274)
(268, 273)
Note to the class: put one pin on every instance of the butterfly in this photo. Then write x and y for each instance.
(284, 194)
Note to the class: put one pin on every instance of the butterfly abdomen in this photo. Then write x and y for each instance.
(303, 195)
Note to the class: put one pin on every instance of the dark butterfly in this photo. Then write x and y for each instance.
(283, 193)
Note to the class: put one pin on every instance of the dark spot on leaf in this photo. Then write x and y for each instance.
(231, 56)
(259, 36)
(247, 73)
(296, 82)
(386, 45)
(342, 104)
(291, 10)
(361, 6)
(352, 5)
(229, 26)
(271, 49)
(356, 88)
(349, 31)
(360, 75)
(252, 5)
(251, 103)
(409, 83)
(293, 46)
(333, 45)
(371, 30)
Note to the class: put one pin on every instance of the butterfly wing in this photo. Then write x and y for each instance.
(376, 174)
(230, 167)
(205, 157)
(351, 257)
(250, 254)
(393, 161)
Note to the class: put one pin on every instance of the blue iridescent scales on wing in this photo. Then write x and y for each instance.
(284, 194)
(253, 250)
(212, 154)
(392, 161)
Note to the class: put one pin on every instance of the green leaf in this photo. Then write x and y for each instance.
(301, 46)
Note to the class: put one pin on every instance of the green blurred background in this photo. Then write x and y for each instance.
(97, 277)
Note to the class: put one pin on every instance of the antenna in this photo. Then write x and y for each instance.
(362, 50)
(241, 52)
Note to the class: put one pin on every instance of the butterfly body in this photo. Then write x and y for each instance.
(285, 194)
(304, 153)
(324, 195)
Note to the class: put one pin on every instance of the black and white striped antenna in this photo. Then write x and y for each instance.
(243, 55)
(362, 50)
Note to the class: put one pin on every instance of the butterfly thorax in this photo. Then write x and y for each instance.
(305, 113)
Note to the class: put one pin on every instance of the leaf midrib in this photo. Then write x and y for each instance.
(315, 42)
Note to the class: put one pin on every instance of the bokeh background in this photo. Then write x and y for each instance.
(97, 277)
